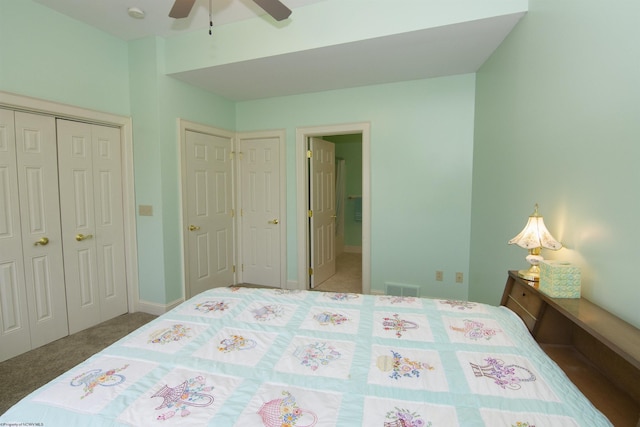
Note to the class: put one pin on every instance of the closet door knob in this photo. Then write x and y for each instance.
(42, 242)
(81, 237)
(193, 228)
(274, 221)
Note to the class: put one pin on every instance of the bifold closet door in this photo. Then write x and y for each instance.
(32, 293)
(89, 159)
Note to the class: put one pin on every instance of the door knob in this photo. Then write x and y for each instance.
(274, 221)
(81, 237)
(42, 242)
(193, 228)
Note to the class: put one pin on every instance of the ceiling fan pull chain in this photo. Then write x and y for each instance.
(210, 18)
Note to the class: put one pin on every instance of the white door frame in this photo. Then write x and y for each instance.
(64, 111)
(183, 127)
(280, 135)
(302, 193)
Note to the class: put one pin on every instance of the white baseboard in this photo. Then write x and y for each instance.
(158, 309)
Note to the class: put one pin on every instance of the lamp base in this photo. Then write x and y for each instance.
(531, 276)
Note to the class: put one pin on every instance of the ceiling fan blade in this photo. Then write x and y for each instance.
(181, 8)
(274, 8)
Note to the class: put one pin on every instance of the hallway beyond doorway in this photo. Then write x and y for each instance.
(348, 277)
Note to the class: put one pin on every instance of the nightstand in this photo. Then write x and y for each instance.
(598, 351)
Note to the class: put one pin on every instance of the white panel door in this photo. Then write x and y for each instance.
(40, 222)
(322, 199)
(261, 217)
(209, 222)
(14, 321)
(92, 222)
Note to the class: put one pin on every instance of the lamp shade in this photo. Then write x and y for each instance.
(535, 234)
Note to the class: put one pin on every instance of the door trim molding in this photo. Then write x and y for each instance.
(302, 194)
(64, 111)
(281, 135)
(183, 127)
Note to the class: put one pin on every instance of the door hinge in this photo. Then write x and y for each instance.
(233, 213)
(310, 213)
(241, 212)
(240, 155)
(309, 154)
(234, 269)
(310, 271)
(231, 154)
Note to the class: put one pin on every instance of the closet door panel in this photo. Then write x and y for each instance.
(76, 199)
(109, 222)
(14, 321)
(40, 223)
(91, 197)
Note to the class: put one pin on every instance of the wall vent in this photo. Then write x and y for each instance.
(401, 289)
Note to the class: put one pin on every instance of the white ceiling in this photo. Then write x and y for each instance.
(435, 52)
(111, 15)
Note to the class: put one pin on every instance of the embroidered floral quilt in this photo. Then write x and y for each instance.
(241, 357)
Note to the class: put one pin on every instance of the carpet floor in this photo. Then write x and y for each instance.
(23, 374)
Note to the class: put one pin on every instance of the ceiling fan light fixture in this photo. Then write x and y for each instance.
(136, 13)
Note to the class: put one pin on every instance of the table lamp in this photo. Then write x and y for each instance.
(534, 237)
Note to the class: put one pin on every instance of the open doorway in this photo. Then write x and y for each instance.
(348, 215)
(353, 262)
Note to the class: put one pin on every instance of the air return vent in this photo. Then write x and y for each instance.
(401, 290)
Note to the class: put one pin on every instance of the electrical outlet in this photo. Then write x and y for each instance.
(459, 277)
(439, 276)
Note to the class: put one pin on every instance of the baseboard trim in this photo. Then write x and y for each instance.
(158, 309)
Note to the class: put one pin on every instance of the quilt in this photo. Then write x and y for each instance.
(251, 357)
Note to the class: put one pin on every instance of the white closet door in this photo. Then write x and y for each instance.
(14, 321)
(92, 222)
(261, 216)
(40, 223)
(210, 236)
(109, 220)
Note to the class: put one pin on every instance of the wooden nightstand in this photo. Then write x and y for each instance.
(599, 352)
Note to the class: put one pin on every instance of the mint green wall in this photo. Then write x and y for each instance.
(558, 123)
(349, 148)
(157, 102)
(47, 55)
(421, 156)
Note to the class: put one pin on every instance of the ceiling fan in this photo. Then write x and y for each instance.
(279, 12)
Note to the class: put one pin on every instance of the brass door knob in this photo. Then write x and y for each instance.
(193, 228)
(274, 221)
(81, 237)
(42, 242)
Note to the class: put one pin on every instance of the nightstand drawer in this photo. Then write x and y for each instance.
(526, 303)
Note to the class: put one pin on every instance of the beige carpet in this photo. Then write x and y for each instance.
(23, 374)
(348, 277)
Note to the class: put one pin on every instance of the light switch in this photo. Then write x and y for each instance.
(145, 210)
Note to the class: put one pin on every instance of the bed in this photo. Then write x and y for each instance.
(266, 357)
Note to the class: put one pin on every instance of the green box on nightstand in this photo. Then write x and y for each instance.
(559, 279)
